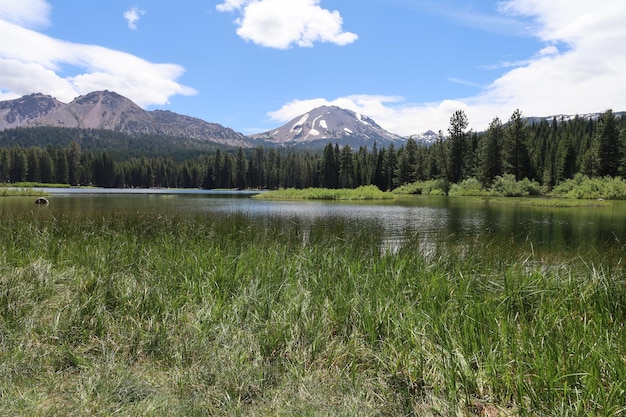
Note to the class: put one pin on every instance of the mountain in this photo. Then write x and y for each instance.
(110, 111)
(329, 124)
(427, 138)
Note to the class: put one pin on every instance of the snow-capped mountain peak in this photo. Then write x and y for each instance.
(329, 124)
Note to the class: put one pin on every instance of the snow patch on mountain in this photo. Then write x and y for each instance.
(298, 125)
(329, 124)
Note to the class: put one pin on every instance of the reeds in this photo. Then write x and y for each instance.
(171, 315)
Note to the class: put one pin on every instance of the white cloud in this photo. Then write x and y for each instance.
(587, 76)
(30, 13)
(132, 16)
(230, 5)
(34, 62)
(283, 23)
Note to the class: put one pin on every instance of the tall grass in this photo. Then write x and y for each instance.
(160, 315)
(365, 192)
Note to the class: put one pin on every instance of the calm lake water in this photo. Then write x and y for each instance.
(421, 217)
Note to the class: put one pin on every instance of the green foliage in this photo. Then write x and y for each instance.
(583, 187)
(33, 185)
(504, 185)
(515, 150)
(507, 186)
(27, 192)
(368, 192)
(431, 187)
(490, 152)
(470, 186)
(457, 146)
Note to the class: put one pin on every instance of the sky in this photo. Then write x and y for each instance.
(253, 65)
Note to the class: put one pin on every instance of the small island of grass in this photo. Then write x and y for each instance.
(368, 192)
(20, 192)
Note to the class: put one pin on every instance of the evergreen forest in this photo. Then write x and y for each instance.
(548, 152)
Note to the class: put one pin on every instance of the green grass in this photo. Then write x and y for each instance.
(33, 185)
(26, 189)
(541, 201)
(361, 193)
(147, 314)
(24, 192)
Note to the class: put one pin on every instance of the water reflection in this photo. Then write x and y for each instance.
(422, 220)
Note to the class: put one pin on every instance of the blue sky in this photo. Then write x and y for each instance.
(252, 65)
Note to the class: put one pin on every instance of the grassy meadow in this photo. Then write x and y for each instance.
(156, 315)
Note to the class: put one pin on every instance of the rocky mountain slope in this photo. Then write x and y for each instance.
(111, 111)
(329, 124)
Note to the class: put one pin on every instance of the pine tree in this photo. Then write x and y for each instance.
(241, 166)
(457, 146)
(330, 168)
(516, 156)
(490, 152)
(607, 152)
(346, 169)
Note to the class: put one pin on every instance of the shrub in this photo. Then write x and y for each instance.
(470, 186)
(507, 186)
(430, 187)
(583, 187)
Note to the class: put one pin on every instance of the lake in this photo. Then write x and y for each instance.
(425, 218)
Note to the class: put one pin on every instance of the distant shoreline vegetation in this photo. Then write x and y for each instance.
(33, 185)
(20, 192)
(26, 189)
(581, 187)
(577, 192)
(368, 192)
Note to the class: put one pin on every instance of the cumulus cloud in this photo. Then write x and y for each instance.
(283, 23)
(579, 69)
(132, 16)
(34, 62)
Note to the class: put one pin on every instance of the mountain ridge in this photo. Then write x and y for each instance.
(110, 111)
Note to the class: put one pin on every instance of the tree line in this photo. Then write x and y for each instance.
(549, 152)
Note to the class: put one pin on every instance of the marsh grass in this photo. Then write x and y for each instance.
(555, 202)
(366, 192)
(13, 192)
(169, 315)
(26, 184)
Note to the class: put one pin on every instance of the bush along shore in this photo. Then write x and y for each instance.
(580, 187)
(160, 315)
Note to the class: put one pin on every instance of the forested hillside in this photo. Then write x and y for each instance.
(118, 144)
(548, 152)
